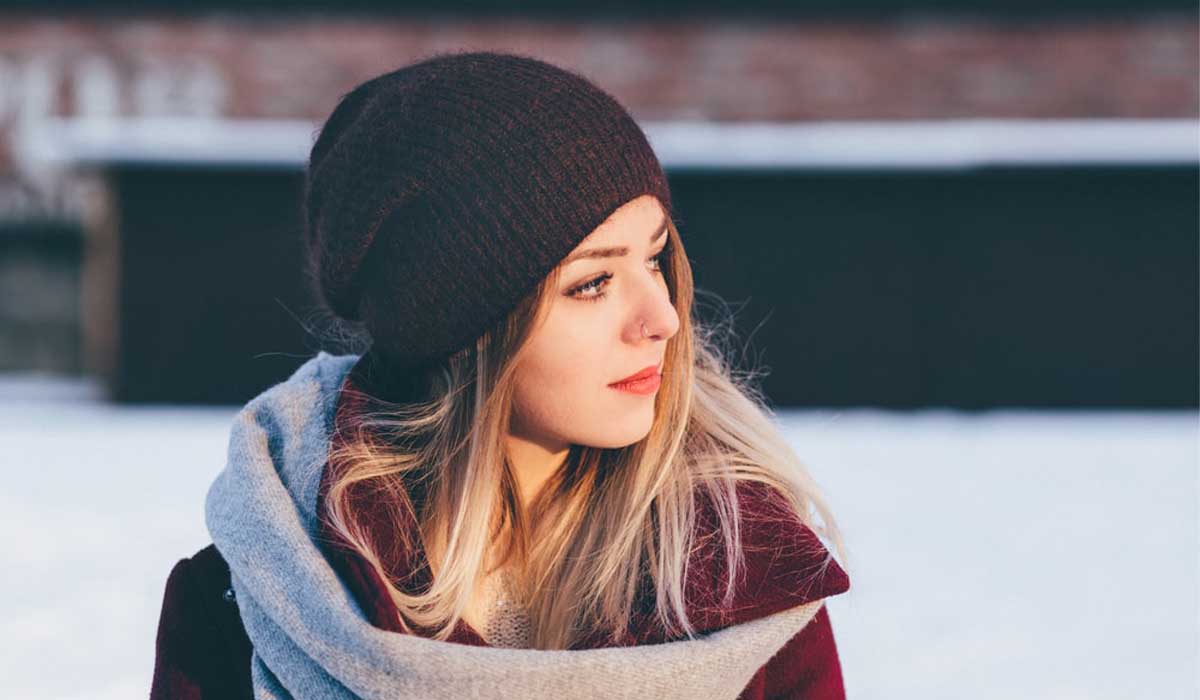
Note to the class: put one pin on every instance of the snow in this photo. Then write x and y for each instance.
(1013, 553)
(1033, 554)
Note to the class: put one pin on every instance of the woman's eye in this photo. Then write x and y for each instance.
(590, 286)
(594, 285)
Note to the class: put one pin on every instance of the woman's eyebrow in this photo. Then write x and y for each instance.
(614, 251)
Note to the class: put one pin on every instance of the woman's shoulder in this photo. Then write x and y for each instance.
(201, 648)
(785, 562)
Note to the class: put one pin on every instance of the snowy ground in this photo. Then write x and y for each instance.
(997, 555)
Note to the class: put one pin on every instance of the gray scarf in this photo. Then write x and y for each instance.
(311, 640)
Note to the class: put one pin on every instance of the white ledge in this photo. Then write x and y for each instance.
(938, 144)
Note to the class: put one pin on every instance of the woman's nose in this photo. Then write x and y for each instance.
(659, 316)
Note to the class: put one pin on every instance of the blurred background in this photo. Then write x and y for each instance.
(959, 240)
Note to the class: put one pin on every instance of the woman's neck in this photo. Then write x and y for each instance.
(533, 462)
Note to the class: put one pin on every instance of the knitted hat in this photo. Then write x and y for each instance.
(440, 194)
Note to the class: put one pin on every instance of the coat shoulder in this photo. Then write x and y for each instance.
(210, 570)
(201, 648)
(785, 562)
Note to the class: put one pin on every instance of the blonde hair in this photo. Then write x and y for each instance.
(605, 520)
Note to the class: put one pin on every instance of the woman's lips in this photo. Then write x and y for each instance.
(645, 382)
(645, 386)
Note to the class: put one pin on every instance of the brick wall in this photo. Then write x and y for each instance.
(297, 66)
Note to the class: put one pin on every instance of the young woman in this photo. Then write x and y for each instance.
(543, 478)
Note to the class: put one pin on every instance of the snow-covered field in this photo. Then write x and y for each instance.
(1008, 554)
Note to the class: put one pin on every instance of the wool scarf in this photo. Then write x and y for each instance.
(311, 639)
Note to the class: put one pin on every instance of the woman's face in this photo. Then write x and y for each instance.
(610, 284)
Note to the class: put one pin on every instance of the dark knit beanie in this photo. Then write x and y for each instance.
(438, 195)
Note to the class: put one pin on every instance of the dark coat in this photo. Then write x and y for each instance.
(203, 652)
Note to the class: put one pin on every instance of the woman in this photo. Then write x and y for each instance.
(542, 478)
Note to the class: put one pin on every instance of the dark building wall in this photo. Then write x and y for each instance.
(1045, 287)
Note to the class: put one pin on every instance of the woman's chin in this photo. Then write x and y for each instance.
(618, 435)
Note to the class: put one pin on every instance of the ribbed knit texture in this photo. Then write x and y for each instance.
(310, 639)
(508, 623)
(438, 195)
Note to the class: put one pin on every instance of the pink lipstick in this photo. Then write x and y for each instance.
(643, 383)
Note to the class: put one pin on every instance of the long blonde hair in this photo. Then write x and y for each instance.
(605, 520)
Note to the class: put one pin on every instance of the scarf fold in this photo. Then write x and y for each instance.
(311, 640)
